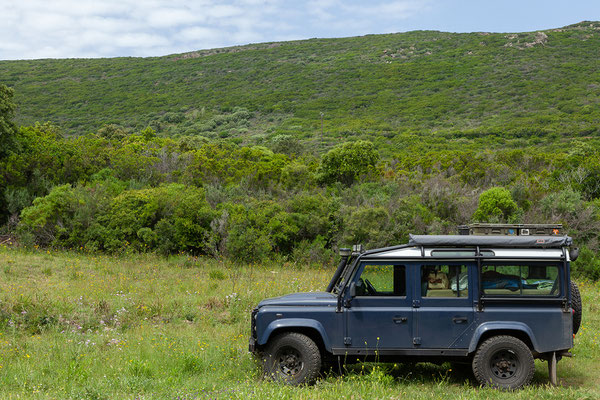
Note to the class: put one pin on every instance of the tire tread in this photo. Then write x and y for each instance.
(577, 307)
(306, 346)
(480, 365)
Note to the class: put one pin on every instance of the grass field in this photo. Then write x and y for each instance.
(77, 326)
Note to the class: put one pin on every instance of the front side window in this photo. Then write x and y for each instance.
(520, 280)
(382, 280)
(444, 281)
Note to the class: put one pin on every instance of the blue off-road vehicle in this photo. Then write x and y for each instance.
(495, 302)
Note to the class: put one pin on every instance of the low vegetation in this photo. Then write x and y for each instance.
(222, 153)
(141, 193)
(88, 326)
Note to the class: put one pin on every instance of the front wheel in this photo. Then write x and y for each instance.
(292, 358)
(503, 362)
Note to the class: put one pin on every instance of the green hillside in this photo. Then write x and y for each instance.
(220, 152)
(519, 84)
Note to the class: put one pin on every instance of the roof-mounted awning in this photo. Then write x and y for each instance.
(489, 241)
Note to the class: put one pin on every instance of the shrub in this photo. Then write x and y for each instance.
(367, 226)
(587, 265)
(349, 161)
(49, 216)
(315, 252)
(258, 230)
(69, 216)
(245, 241)
(286, 144)
(172, 217)
(296, 175)
(497, 205)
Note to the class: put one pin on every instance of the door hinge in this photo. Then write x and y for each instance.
(416, 303)
(347, 340)
(479, 305)
(416, 340)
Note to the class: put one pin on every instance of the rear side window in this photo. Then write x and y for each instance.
(444, 281)
(520, 280)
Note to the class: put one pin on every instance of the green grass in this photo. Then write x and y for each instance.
(78, 326)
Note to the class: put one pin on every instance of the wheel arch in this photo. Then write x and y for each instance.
(515, 329)
(309, 327)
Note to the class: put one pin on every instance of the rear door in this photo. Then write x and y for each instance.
(380, 317)
(444, 305)
(532, 294)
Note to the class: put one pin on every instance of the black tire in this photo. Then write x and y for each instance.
(292, 358)
(503, 362)
(577, 307)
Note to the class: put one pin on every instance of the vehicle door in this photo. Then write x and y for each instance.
(530, 293)
(379, 316)
(444, 305)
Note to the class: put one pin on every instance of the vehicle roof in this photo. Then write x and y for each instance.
(466, 246)
(462, 253)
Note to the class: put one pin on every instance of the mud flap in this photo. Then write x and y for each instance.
(552, 369)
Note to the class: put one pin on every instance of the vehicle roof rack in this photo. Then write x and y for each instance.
(490, 241)
(512, 229)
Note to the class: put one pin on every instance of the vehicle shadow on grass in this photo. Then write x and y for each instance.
(457, 374)
(450, 373)
(568, 377)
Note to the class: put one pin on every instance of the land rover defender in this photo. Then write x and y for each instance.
(496, 302)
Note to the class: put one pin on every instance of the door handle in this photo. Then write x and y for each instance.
(459, 320)
(399, 320)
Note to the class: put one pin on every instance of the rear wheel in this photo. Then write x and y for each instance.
(503, 362)
(292, 358)
(576, 304)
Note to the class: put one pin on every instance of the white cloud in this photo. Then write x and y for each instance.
(223, 11)
(199, 33)
(107, 28)
(170, 17)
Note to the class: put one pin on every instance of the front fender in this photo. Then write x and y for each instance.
(290, 324)
(502, 326)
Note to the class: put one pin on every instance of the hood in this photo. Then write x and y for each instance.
(302, 299)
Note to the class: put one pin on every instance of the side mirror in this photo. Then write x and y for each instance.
(352, 290)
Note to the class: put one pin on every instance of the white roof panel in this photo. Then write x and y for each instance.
(412, 252)
(404, 252)
(538, 253)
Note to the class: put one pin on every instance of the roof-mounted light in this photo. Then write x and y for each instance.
(358, 248)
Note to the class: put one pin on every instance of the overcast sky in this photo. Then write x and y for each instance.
(109, 28)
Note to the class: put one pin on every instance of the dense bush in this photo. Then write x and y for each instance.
(104, 216)
(497, 205)
(170, 218)
(141, 192)
(347, 162)
(135, 191)
(7, 127)
(587, 265)
(327, 147)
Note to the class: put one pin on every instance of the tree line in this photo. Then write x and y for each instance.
(118, 192)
